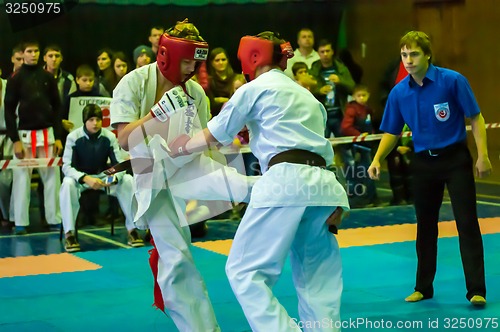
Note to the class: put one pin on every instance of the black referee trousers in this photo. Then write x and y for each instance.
(453, 167)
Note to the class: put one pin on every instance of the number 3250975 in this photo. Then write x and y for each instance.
(32, 7)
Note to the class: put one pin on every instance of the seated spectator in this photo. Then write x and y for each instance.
(357, 121)
(85, 158)
(302, 76)
(85, 80)
(143, 55)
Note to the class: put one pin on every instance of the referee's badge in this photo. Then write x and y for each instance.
(442, 111)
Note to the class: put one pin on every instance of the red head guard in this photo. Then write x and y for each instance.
(254, 52)
(172, 50)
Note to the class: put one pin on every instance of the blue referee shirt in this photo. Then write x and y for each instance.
(435, 112)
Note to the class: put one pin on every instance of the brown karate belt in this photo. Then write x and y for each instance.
(298, 156)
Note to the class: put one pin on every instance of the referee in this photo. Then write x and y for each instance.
(434, 102)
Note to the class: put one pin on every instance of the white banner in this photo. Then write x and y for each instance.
(78, 103)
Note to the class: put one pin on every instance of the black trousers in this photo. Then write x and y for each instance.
(452, 167)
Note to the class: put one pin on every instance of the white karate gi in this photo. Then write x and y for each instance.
(21, 186)
(288, 208)
(6, 152)
(161, 194)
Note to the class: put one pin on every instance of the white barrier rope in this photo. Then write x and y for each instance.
(30, 163)
(53, 162)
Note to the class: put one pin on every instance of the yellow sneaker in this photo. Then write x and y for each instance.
(134, 239)
(415, 297)
(478, 300)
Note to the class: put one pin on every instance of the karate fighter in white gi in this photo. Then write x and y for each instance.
(151, 106)
(295, 201)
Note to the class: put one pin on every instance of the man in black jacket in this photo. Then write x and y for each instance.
(35, 131)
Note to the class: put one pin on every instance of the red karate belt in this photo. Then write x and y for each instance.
(45, 143)
(154, 257)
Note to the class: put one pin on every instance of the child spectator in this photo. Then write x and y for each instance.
(302, 76)
(143, 55)
(85, 79)
(85, 158)
(357, 121)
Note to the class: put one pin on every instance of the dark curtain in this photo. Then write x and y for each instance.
(84, 29)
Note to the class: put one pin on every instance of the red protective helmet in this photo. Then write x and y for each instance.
(172, 50)
(254, 52)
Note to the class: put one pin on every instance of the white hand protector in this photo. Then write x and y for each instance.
(173, 101)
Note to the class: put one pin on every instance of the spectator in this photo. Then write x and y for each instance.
(6, 213)
(85, 78)
(143, 55)
(52, 56)
(220, 76)
(33, 120)
(305, 52)
(302, 76)
(334, 85)
(86, 154)
(17, 58)
(105, 72)
(154, 37)
(120, 65)
(358, 122)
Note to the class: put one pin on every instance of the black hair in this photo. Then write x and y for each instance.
(52, 47)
